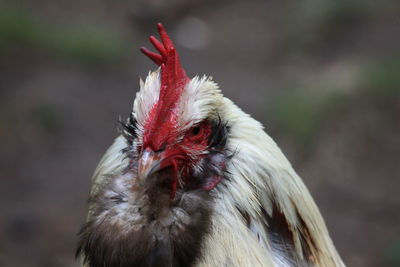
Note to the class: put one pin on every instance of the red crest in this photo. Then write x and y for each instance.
(162, 122)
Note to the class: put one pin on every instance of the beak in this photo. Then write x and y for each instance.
(149, 163)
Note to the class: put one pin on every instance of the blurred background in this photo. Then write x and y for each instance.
(322, 76)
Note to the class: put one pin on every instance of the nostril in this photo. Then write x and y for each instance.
(160, 150)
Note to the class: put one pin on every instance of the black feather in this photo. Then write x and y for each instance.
(219, 134)
(129, 129)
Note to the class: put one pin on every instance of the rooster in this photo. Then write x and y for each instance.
(192, 180)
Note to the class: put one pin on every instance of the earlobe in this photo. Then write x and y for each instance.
(211, 182)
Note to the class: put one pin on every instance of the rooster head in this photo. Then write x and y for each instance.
(177, 131)
(152, 195)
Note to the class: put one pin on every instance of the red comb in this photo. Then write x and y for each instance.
(168, 59)
(173, 81)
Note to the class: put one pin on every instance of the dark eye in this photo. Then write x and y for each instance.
(196, 130)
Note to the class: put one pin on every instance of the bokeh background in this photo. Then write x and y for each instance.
(323, 77)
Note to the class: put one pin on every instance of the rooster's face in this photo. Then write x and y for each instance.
(156, 209)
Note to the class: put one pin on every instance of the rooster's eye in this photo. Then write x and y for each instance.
(199, 133)
(196, 130)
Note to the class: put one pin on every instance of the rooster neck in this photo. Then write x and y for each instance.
(270, 199)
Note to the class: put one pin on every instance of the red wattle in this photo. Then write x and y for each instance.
(212, 182)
